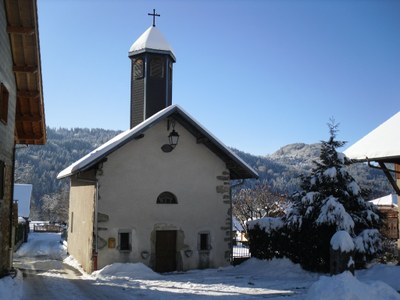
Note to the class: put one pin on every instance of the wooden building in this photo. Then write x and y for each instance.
(381, 149)
(21, 104)
(158, 193)
(388, 206)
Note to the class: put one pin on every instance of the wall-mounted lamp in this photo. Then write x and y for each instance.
(188, 253)
(144, 254)
(173, 138)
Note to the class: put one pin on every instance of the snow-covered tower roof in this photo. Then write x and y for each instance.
(152, 40)
(152, 58)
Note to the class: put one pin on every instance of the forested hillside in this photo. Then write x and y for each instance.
(39, 165)
(282, 169)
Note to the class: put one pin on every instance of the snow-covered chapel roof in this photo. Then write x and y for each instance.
(382, 143)
(151, 40)
(237, 167)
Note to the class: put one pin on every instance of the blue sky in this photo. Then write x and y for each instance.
(258, 74)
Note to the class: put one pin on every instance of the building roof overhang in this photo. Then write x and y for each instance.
(22, 28)
(237, 167)
(380, 147)
(381, 144)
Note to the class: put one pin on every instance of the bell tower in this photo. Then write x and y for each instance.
(151, 74)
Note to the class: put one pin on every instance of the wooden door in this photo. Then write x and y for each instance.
(166, 251)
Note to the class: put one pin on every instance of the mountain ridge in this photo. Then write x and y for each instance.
(281, 170)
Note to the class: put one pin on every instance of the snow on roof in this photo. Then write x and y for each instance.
(22, 193)
(236, 226)
(118, 141)
(381, 143)
(387, 200)
(151, 39)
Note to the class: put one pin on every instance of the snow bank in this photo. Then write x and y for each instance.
(125, 271)
(11, 288)
(390, 274)
(277, 268)
(346, 287)
(343, 241)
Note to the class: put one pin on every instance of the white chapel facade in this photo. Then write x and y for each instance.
(159, 192)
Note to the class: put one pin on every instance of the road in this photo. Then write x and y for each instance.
(46, 276)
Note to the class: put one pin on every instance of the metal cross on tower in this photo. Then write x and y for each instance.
(154, 17)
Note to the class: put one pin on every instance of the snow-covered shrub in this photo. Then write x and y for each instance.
(330, 201)
(266, 238)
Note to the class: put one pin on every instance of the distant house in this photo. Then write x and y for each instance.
(388, 206)
(238, 230)
(158, 193)
(21, 105)
(22, 195)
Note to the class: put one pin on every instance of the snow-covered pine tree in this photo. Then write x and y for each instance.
(331, 200)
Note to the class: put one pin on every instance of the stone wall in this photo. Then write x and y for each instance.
(225, 189)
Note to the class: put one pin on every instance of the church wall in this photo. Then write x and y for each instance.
(81, 220)
(135, 175)
(7, 78)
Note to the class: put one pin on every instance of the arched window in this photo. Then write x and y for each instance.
(167, 198)
(138, 69)
(157, 67)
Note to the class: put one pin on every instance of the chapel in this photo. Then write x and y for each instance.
(159, 193)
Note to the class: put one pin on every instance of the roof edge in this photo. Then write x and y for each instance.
(150, 50)
(120, 140)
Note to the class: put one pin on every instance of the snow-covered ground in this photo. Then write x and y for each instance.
(45, 275)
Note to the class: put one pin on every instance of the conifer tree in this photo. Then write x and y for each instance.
(331, 200)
